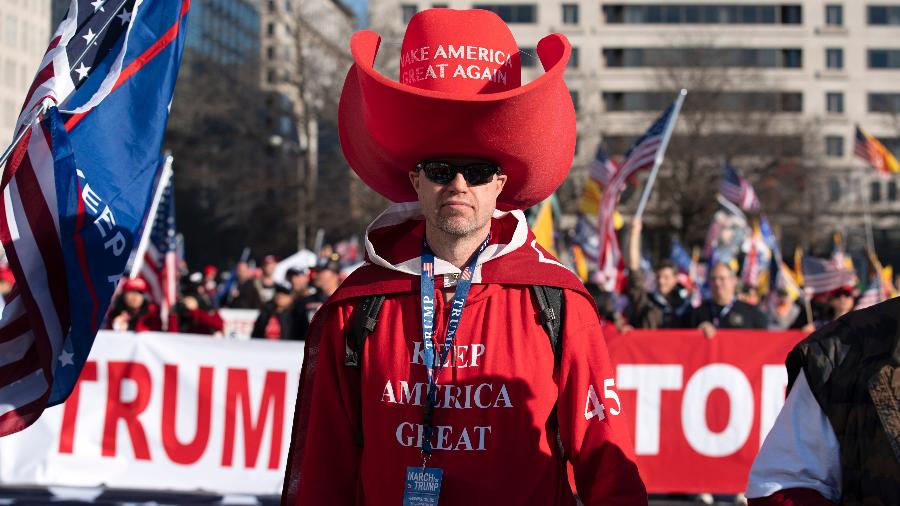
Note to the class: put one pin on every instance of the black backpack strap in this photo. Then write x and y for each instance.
(363, 323)
(550, 311)
(364, 320)
(550, 305)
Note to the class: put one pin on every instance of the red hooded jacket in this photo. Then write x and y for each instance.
(493, 433)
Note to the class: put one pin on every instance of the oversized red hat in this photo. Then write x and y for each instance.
(459, 95)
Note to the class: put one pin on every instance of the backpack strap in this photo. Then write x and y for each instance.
(550, 312)
(550, 305)
(363, 323)
(364, 320)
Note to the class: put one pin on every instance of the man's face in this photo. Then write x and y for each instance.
(268, 269)
(722, 282)
(327, 279)
(282, 301)
(666, 280)
(456, 208)
(842, 303)
(299, 282)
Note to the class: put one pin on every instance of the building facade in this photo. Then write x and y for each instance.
(24, 34)
(819, 67)
(225, 32)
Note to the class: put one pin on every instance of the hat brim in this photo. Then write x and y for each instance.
(386, 127)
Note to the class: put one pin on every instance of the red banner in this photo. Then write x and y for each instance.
(700, 407)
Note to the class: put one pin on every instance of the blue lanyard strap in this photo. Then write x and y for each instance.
(433, 367)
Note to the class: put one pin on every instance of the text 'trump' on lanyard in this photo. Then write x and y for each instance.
(433, 367)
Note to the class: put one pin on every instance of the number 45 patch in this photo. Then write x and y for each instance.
(592, 405)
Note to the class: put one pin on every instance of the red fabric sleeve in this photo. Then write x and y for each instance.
(597, 442)
(207, 323)
(792, 497)
(323, 466)
(150, 321)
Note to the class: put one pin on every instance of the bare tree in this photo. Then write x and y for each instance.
(732, 114)
(225, 174)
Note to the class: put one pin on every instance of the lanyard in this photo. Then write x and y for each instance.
(433, 367)
(717, 319)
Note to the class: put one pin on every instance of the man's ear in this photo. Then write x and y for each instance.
(501, 182)
(414, 179)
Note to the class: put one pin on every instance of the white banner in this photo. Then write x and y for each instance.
(238, 323)
(167, 411)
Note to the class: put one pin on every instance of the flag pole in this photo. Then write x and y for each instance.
(21, 135)
(660, 154)
(164, 178)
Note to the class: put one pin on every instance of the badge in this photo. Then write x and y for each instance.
(423, 486)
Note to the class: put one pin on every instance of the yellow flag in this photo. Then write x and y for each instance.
(589, 204)
(876, 153)
(581, 265)
(543, 226)
(887, 274)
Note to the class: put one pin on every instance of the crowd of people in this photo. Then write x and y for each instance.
(285, 304)
(669, 301)
(657, 299)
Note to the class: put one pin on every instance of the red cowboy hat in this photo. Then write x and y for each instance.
(460, 95)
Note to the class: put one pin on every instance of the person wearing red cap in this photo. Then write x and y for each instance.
(132, 311)
(457, 394)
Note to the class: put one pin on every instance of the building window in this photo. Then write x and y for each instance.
(705, 56)
(834, 102)
(834, 189)
(884, 14)
(784, 102)
(573, 59)
(439, 6)
(834, 58)
(791, 15)
(892, 191)
(884, 58)
(512, 13)
(834, 15)
(271, 76)
(570, 14)
(875, 192)
(575, 103)
(703, 14)
(270, 52)
(408, 11)
(834, 146)
(884, 102)
(270, 29)
(528, 57)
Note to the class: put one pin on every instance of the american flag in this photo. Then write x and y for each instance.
(822, 275)
(679, 256)
(76, 187)
(159, 267)
(81, 46)
(738, 190)
(872, 294)
(641, 155)
(602, 168)
(869, 149)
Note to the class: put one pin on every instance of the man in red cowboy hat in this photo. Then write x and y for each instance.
(457, 395)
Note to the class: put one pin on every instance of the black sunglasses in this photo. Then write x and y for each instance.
(476, 174)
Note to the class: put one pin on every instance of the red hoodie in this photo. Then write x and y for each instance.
(496, 397)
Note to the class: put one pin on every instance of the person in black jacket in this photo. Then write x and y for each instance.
(275, 320)
(724, 310)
